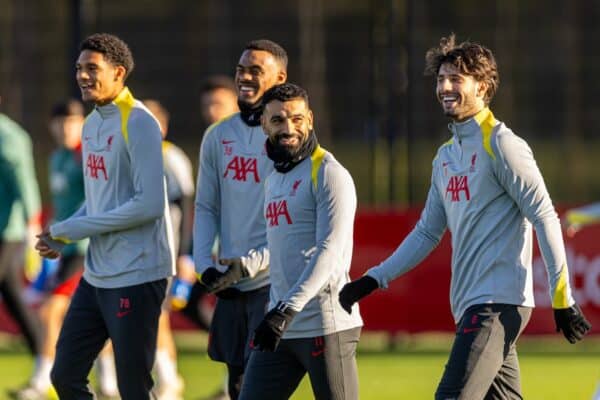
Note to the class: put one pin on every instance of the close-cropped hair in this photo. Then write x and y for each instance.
(67, 108)
(285, 92)
(115, 50)
(469, 58)
(270, 47)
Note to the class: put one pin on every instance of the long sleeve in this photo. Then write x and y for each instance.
(335, 209)
(180, 190)
(207, 205)
(148, 201)
(417, 245)
(519, 174)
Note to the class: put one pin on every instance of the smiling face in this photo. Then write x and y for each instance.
(287, 124)
(460, 95)
(99, 80)
(256, 72)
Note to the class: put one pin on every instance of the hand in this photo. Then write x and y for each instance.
(215, 281)
(571, 322)
(43, 247)
(572, 230)
(268, 333)
(356, 290)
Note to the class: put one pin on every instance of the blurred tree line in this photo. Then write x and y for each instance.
(361, 61)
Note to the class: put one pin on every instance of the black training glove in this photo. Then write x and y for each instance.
(571, 322)
(215, 281)
(356, 290)
(268, 333)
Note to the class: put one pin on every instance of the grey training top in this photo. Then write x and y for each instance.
(125, 212)
(230, 197)
(310, 222)
(487, 189)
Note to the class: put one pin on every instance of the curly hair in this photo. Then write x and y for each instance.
(470, 58)
(270, 47)
(114, 50)
(285, 92)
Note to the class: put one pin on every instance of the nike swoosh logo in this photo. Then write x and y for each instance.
(227, 141)
(469, 330)
(317, 353)
(121, 314)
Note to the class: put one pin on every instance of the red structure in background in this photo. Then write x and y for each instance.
(418, 301)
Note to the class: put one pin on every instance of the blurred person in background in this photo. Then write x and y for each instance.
(229, 204)
(66, 188)
(218, 98)
(487, 189)
(310, 204)
(180, 195)
(20, 219)
(577, 219)
(580, 217)
(125, 215)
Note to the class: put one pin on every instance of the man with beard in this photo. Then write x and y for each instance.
(310, 203)
(229, 199)
(487, 189)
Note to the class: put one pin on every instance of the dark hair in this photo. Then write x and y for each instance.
(285, 92)
(114, 50)
(67, 108)
(470, 58)
(217, 82)
(271, 47)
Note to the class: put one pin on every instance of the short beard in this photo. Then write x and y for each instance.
(288, 151)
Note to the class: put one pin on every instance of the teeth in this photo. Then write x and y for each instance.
(246, 88)
(449, 98)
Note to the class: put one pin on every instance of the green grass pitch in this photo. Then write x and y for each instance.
(410, 369)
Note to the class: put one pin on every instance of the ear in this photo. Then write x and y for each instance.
(281, 76)
(482, 88)
(120, 73)
(310, 120)
(263, 119)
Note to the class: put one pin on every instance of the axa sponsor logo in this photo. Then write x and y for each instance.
(276, 209)
(584, 277)
(95, 167)
(241, 169)
(456, 186)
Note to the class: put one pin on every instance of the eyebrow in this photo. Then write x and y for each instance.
(288, 117)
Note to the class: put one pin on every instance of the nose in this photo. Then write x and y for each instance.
(444, 84)
(289, 126)
(81, 74)
(244, 75)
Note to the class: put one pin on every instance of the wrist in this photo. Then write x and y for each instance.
(285, 309)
